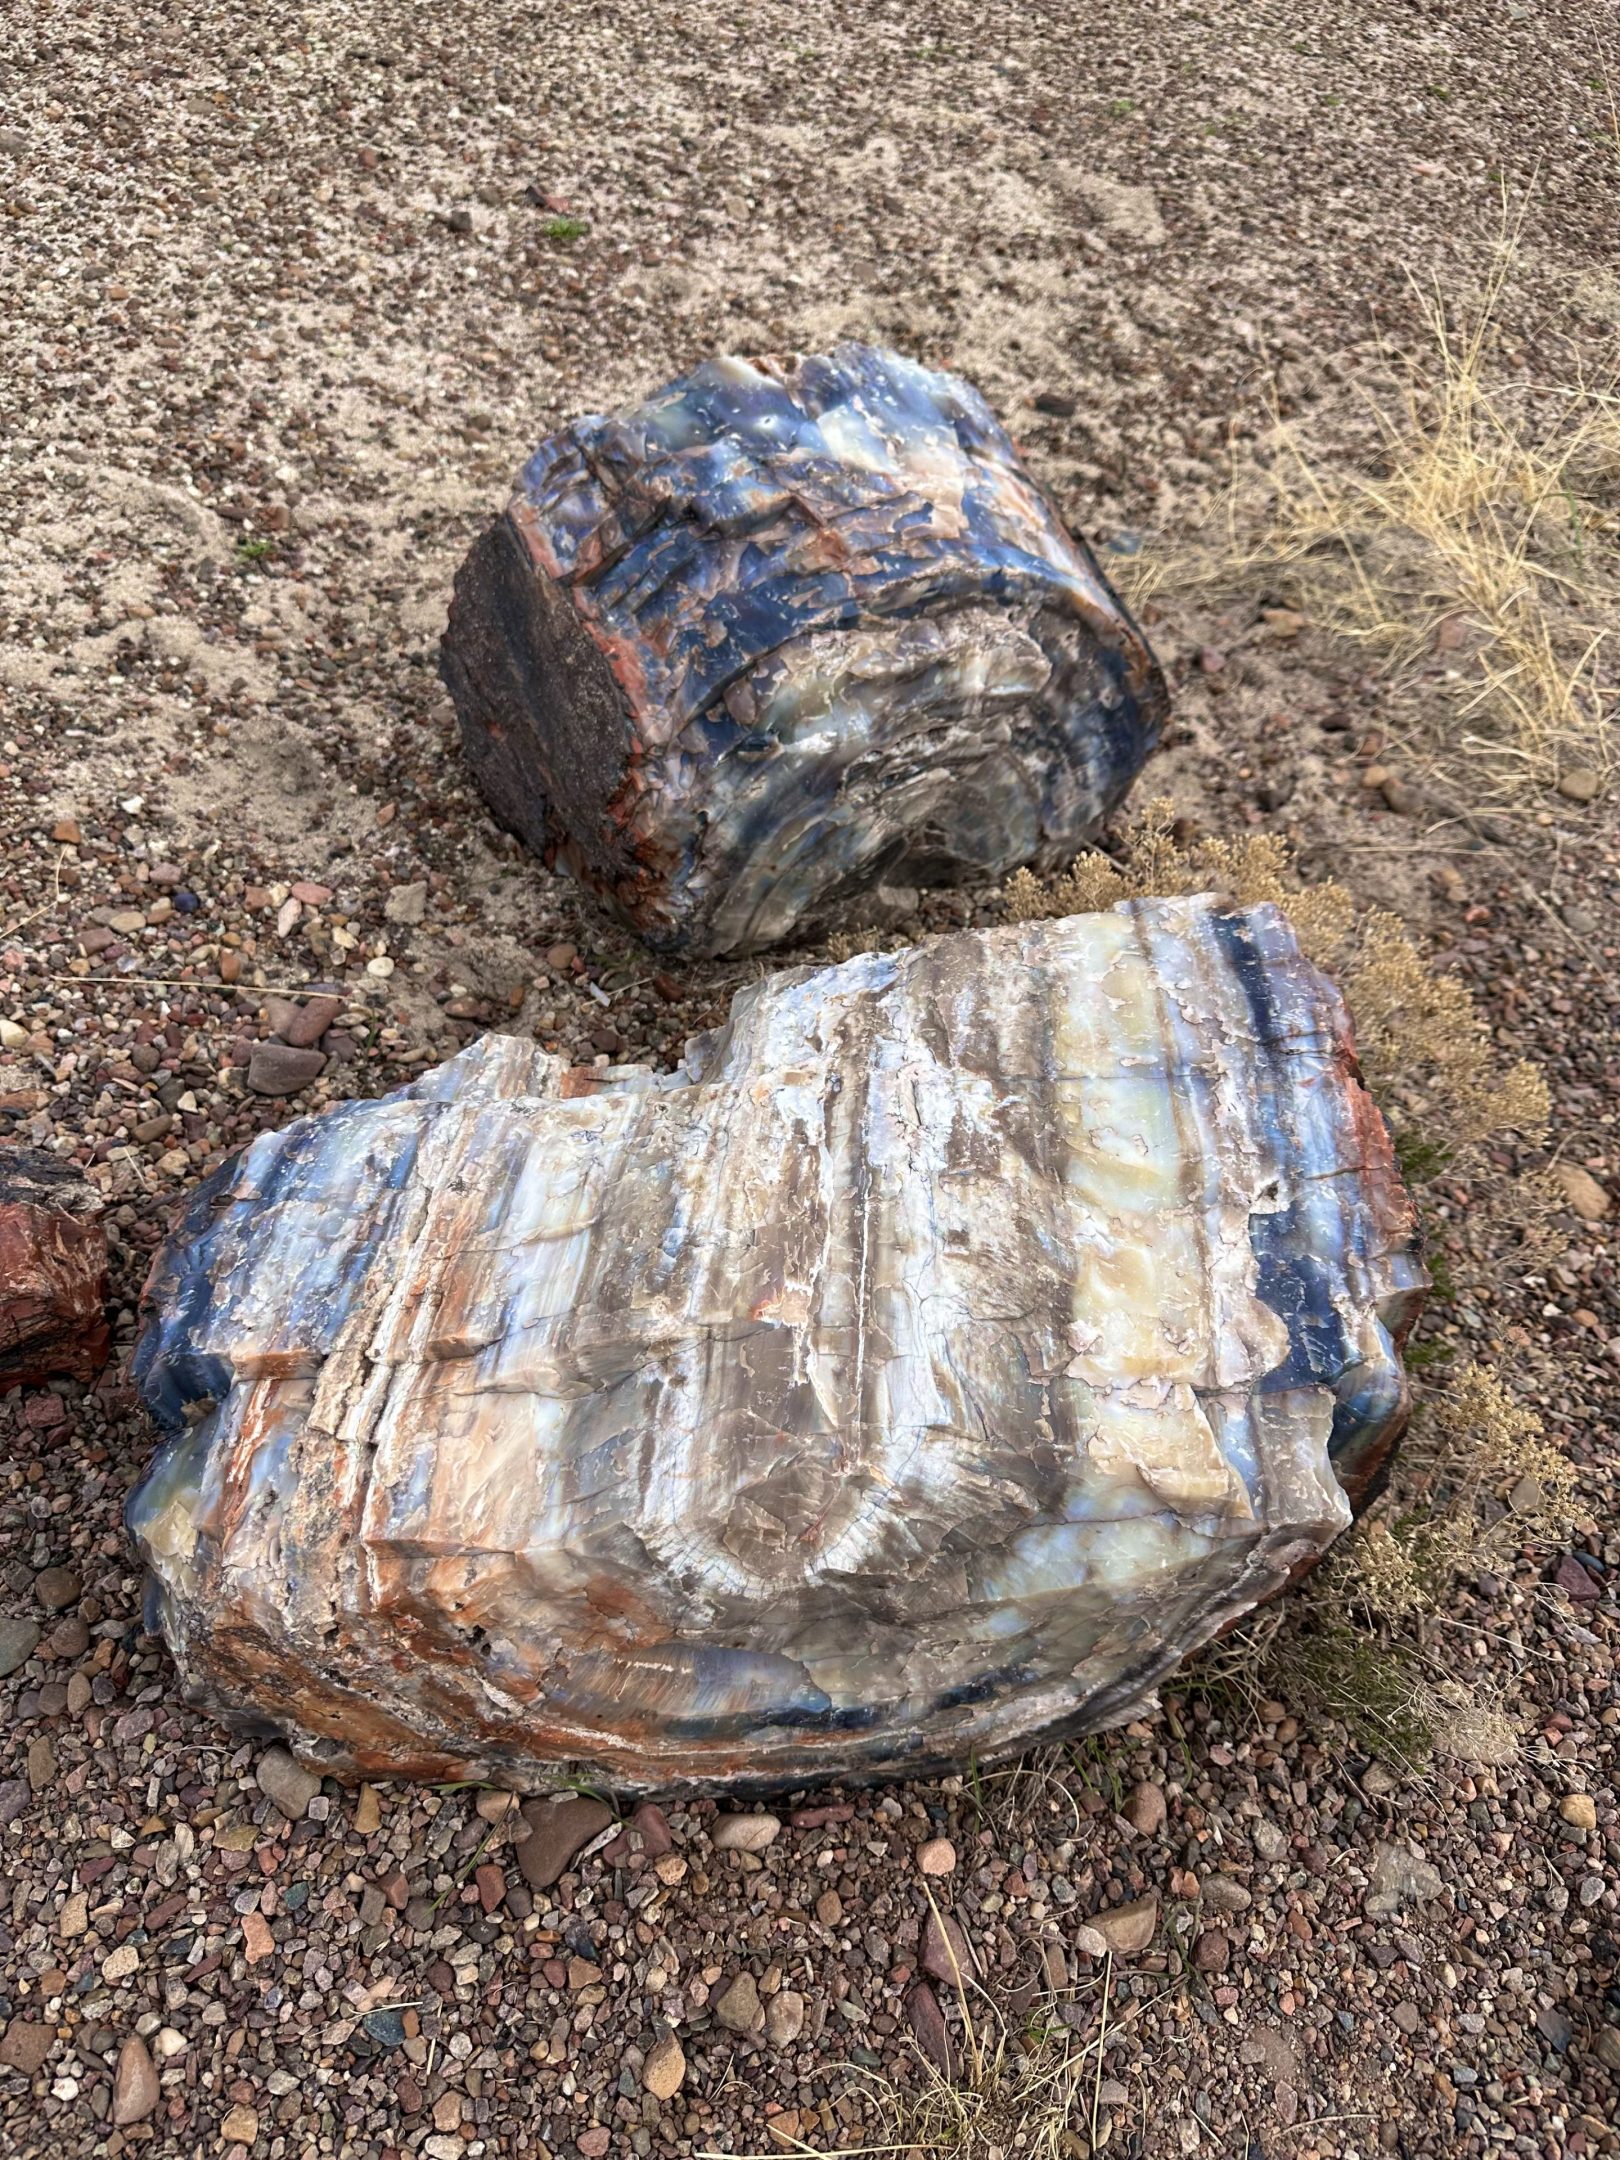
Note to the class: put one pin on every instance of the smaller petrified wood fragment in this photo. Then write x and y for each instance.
(53, 1271)
(960, 1338)
(792, 629)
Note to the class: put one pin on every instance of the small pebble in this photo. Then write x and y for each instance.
(18, 1641)
(1127, 1929)
(277, 1069)
(1146, 1811)
(738, 2009)
(745, 1833)
(664, 2071)
(286, 1782)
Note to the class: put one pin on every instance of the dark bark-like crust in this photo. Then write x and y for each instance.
(543, 724)
(53, 1271)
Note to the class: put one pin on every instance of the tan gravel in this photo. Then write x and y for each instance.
(289, 291)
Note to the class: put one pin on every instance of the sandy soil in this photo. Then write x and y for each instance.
(289, 291)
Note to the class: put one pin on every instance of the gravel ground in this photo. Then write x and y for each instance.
(288, 294)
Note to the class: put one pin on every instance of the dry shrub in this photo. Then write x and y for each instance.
(843, 945)
(1478, 1474)
(1476, 1478)
(1479, 545)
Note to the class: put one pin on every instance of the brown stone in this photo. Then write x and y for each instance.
(56, 1588)
(25, 2045)
(557, 1829)
(646, 1835)
(1212, 1952)
(945, 1954)
(278, 1069)
(285, 1781)
(1145, 1810)
(310, 1022)
(927, 2022)
(1128, 1929)
(257, 1940)
(784, 2017)
(651, 1825)
(1222, 1893)
(135, 2083)
(70, 1638)
(1580, 784)
(53, 1271)
(746, 1833)
(1582, 1191)
(665, 2068)
(738, 2009)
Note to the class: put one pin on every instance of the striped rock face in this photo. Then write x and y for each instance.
(962, 1337)
(791, 630)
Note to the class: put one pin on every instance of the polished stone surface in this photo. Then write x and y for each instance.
(961, 1337)
(787, 631)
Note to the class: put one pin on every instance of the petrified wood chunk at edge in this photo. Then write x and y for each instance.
(960, 1338)
(790, 630)
(53, 1271)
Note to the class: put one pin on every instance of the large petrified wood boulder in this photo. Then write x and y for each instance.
(53, 1271)
(790, 630)
(960, 1338)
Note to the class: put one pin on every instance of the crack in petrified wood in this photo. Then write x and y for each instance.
(788, 630)
(962, 1336)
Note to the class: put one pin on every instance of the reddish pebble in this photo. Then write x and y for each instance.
(309, 1022)
(491, 1881)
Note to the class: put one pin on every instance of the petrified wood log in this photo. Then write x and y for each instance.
(960, 1338)
(791, 629)
(53, 1271)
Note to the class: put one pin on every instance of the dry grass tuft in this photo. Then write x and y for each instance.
(1478, 550)
(1024, 2092)
(843, 945)
(1031, 2089)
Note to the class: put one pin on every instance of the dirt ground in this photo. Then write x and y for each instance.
(288, 294)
